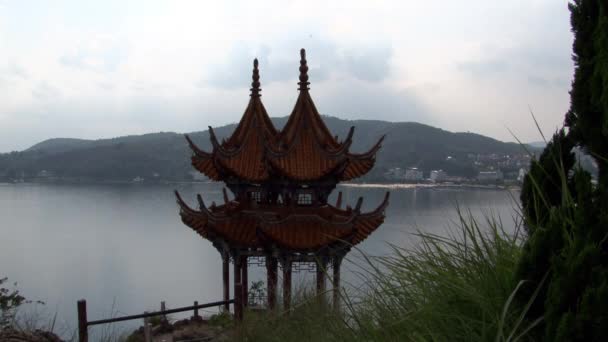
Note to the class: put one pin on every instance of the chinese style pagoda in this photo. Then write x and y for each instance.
(281, 180)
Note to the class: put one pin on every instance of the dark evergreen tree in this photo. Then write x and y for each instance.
(588, 114)
(542, 192)
(566, 215)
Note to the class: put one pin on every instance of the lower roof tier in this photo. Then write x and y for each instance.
(295, 228)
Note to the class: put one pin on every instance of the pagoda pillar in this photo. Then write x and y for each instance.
(321, 269)
(238, 292)
(226, 278)
(244, 281)
(337, 262)
(287, 283)
(271, 275)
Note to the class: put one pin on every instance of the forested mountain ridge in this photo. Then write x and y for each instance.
(165, 155)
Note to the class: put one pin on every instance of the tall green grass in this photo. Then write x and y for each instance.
(457, 287)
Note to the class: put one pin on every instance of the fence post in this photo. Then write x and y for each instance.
(195, 309)
(83, 335)
(163, 317)
(147, 330)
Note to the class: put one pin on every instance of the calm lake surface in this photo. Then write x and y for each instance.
(124, 249)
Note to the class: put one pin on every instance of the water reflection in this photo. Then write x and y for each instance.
(125, 244)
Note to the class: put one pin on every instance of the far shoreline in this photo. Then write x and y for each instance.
(433, 186)
(371, 185)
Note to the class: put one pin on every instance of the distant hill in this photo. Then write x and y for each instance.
(165, 156)
(58, 145)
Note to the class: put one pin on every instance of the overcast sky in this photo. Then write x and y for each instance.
(101, 69)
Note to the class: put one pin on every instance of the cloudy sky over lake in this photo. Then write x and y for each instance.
(100, 69)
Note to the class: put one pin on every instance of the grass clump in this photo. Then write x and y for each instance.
(309, 320)
(455, 287)
(222, 320)
(458, 287)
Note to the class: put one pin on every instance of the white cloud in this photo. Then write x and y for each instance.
(103, 69)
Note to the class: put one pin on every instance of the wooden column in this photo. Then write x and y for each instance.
(196, 316)
(271, 275)
(337, 262)
(226, 278)
(238, 289)
(321, 269)
(244, 281)
(287, 284)
(83, 332)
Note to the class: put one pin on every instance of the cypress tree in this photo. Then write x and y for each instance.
(566, 215)
(588, 114)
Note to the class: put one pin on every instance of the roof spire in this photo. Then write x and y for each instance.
(255, 85)
(303, 71)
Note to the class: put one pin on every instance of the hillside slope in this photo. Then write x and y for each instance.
(166, 155)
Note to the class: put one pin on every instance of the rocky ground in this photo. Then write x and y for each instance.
(193, 329)
(13, 335)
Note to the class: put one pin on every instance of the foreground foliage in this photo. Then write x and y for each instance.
(10, 300)
(454, 288)
(566, 214)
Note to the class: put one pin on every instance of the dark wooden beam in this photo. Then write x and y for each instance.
(286, 284)
(321, 270)
(83, 332)
(244, 280)
(336, 263)
(238, 289)
(226, 279)
(271, 275)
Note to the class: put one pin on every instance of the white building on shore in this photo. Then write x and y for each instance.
(438, 176)
(413, 174)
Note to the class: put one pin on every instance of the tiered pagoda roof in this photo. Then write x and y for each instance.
(304, 159)
(293, 228)
(303, 150)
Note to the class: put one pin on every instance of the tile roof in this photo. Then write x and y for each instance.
(303, 150)
(297, 228)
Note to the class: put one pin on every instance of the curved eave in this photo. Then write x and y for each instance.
(237, 231)
(367, 223)
(356, 168)
(299, 230)
(197, 220)
(203, 161)
(371, 153)
(357, 165)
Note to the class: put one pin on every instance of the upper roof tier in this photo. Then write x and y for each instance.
(304, 150)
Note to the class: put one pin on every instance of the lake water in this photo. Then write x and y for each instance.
(124, 249)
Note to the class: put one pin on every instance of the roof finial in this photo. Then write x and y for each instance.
(303, 71)
(255, 85)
